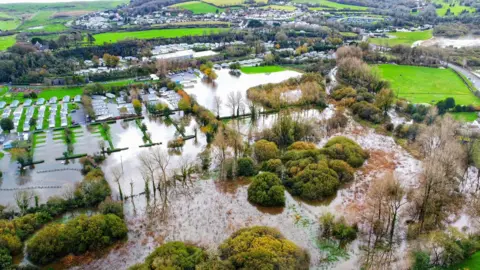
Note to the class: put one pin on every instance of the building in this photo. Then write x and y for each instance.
(53, 100)
(27, 103)
(40, 101)
(14, 104)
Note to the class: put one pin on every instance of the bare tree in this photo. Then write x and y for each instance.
(148, 164)
(220, 144)
(162, 159)
(185, 170)
(117, 175)
(23, 199)
(232, 103)
(218, 104)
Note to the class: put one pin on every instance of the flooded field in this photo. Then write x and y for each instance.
(225, 84)
(467, 41)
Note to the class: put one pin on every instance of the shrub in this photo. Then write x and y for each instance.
(267, 190)
(367, 111)
(263, 248)
(345, 149)
(245, 167)
(344, 171)
(6, 260)
(273, 165)
(337, 229)
(93, 189)
(111, 207)
(315, 182)
(77, 236)
(265, 150)
(302, 146)
(173, 255)
(347, 92)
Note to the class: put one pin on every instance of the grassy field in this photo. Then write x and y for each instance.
(455, 9)
(279, 7)
(465, 116)
(198, 7)
(226, 3)
(427, 85)
(404, 38)
(8, 22)
(7, 42)
(472, 263)
(325, 4)
(60, 92)
(261, 69)
(150, 34)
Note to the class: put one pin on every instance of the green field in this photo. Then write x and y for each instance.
(427, 85)
(455, 9)
(198, 7)
(151, 34)
(402, 38)
(325, 4)
(7, 42)
(279, 7)
(261, 69)
(472, 263)
(226, 3)
(8, 22)
(465, 116)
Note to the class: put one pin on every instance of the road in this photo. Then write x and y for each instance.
(467, 73)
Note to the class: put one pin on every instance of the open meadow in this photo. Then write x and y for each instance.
(151, 34)
(6, 42)
(402, 38)
(427, 85)
(8, 22)
(278, 7)
(198, 7)
(325, 4)
(456, 8)
(261, 69)
(226, 3)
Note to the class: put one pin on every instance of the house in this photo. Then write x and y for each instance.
(66, 99)
(110, 95)
(2, 104)
(27, 103)
(217, 66)
(53, 100)
(40, 101)
(154, 77)
(8, 145)
(14, 104)
(77, 99)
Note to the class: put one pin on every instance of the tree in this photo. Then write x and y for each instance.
(137, 106)
(174, 255)
(281, 36)
(6, 124)
(90, 38)
(217, 102)
(271, 251)
(111, 60)
(267, 190)
(345, 149)
(384, 100)
(265, 150)
(245, 167)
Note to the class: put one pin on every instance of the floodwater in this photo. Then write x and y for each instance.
(461, 42)
(225, 84)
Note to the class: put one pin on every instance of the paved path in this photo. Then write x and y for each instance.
(467, 73)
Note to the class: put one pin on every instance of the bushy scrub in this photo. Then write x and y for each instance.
(273, 165)
(338, 229)
(173, 255)
(341, 93)
(367, 111)
(315, 182)
(345, 149)
(111, 207)
(93, 189)
(265, 150)
(263, 248)
(287, 130)
(302, 146)
(246, 167)
(267, 190)
(77, 236)
(344, 171)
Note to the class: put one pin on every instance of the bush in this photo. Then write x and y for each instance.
(93, 189)
(347, 92)
(110, 207)
(345, 149)
(263, 248)
(367, 111)
(77, 236)
(273, 165)
(315, 182)
(267, 190)
(265, 150)
(337, 229)
(344, 171)
(173, 255)
(245, 167)
(6, 260)
(302, 146)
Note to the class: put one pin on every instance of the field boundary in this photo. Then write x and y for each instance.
(470, 86)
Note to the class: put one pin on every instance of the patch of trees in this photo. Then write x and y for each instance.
(77, 236)
(451, 30)
(89, 193)
(332, 228)
(353, 71)
(237, 252)
(312, 91)
(266, 189)
(315, 174)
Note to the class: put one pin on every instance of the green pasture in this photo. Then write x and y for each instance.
(427, 85)
(7, 42)
(325, 4)
(198, 7)
(402, 38)
(261, 69)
